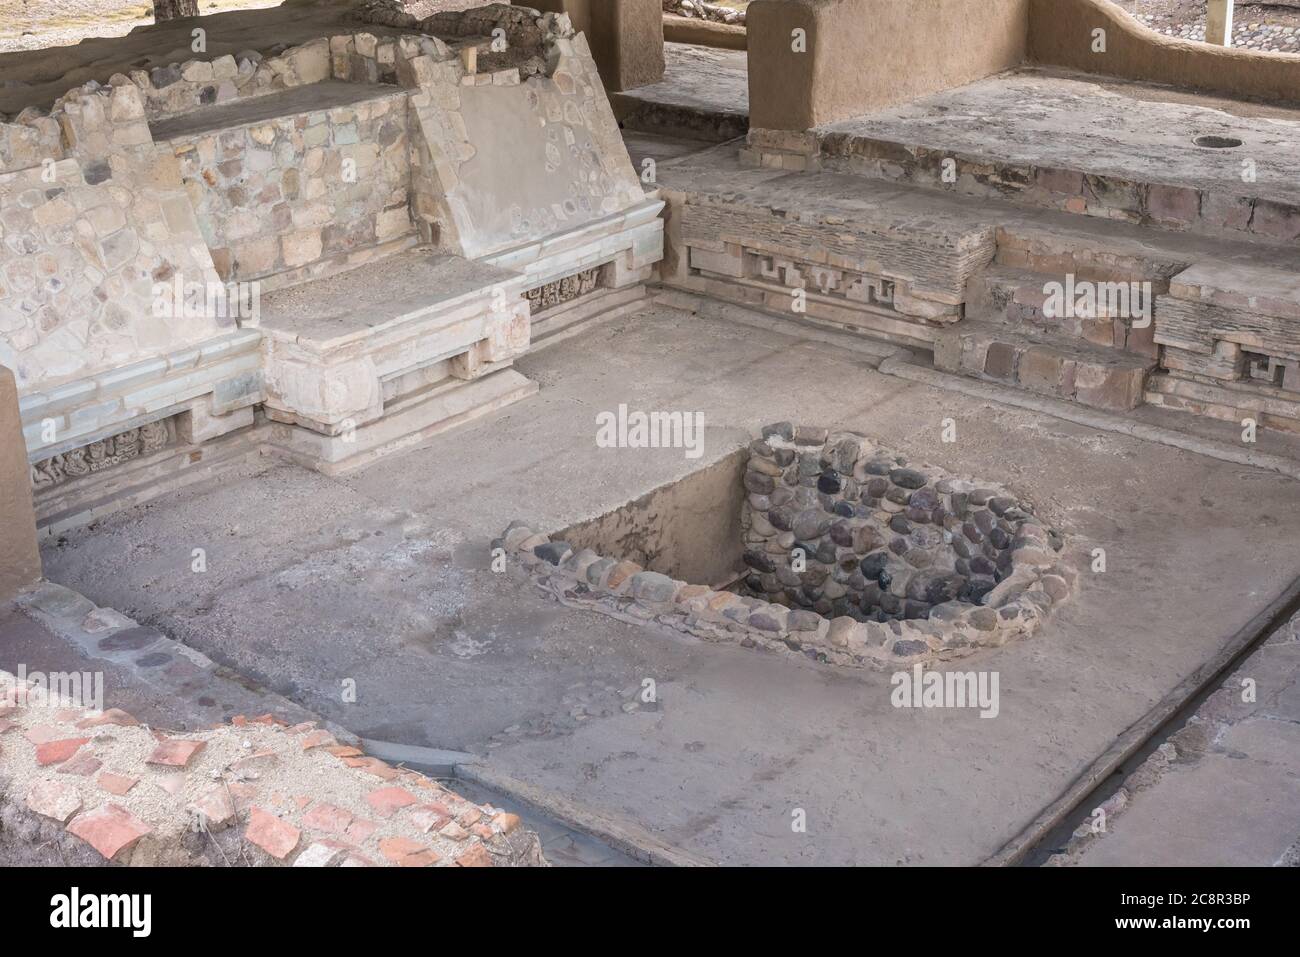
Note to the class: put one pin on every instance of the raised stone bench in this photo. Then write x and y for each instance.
(401, 341)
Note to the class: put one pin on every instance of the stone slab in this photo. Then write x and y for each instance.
(325, 314)
(450, 405)
(312, 97)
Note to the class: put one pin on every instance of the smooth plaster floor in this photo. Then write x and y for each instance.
(381, 577)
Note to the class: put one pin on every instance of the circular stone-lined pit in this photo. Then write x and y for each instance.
(853, 556)
(839, 526)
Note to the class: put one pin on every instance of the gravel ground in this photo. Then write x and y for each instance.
(721, 11)
(36, 24)
(1256, 26)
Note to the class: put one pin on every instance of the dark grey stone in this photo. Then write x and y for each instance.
(784, 430)
(553, 552)
(907, 478)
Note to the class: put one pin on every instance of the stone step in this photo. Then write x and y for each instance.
(1051, 364)
(1116, 314)
(1225, 306)
(1017, 137)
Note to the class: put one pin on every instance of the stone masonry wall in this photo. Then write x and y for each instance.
(88, 228)
(278, 195)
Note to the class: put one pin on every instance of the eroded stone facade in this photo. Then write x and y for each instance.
(483, 136)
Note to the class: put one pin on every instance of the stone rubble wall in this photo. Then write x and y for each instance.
(963, 568)
(89, 227)
(84, 787)
(273, 197)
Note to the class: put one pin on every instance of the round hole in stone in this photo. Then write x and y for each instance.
(1214, 142)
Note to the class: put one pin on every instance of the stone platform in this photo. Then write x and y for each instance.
(1110, 149)
(384, 576)
(967, 279)
(344, 352)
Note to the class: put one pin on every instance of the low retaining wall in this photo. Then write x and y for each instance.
(88, 787)
(705, 33)
(1063, 33)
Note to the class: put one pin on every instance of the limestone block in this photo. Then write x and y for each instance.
(310, 63)
(508, 333)
(199, 424)
(327, 394)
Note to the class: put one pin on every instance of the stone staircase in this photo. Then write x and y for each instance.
(1011, 335)
(1195, 319)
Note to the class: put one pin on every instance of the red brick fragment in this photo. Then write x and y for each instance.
(273, 835)
(111, 716)
(475, 855)
(58, 751)
(317, 739)
(54, 799)
(41, 733)
(469, 817)
(373, 766)
(454, 831)
(215, 810)
(405, 852)
(328, 818)
(83, 764)
(360, 829)
(387, 801)
(117, 784)
(175, 752)
(430, 817)
(171, 783)
(109, 829)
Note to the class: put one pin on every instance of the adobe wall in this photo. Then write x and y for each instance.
(626, 37)
(864, 55)
(1061, 33)
(20, 562)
